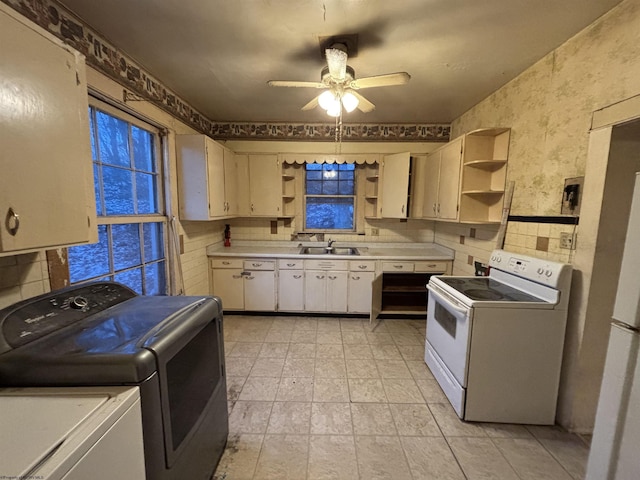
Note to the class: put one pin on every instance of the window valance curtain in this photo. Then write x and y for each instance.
(292, 158)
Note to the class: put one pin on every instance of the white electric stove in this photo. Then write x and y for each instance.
(495, 343)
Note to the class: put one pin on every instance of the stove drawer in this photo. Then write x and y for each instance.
(451, 388)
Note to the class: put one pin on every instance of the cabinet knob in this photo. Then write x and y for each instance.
(319, 277)
(12, 222)
(362, 267)
(297, 277)
(226, 263)
(256, 264)
(291, 264)
(332, 278)
(353, 277)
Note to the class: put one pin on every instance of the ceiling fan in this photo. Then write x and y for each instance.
(340, 84)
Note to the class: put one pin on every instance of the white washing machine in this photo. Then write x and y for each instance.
(71, 433)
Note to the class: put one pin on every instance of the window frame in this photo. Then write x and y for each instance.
(354, 196)
(162, 193)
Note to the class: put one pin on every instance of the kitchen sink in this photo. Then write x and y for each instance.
(329, 251)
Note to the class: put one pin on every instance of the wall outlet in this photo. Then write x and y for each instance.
(568, 240)
(375, 232)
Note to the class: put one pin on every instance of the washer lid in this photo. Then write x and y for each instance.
(40, 424)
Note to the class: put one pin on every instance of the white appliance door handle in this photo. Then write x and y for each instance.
(449, 301)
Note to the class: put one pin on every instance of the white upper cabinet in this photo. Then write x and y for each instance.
(46, 181)
(260, 185)
(207, 179)
(393, 193)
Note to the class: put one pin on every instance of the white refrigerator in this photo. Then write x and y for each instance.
(615, 448)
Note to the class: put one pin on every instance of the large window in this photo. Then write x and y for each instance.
(330, 196)
(131, 222)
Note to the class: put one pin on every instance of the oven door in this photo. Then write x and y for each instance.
(448, 331)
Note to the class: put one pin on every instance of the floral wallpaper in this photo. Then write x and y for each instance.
(106, 58)
(549, 107)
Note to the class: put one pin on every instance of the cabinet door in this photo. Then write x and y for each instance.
(230, 183)
(291, 291)
(46, 179)
(431, 174)
(417, 182)
(260, 291)
(394, 176)
(337, 293)
(243, 193)
(265, 184)
(315, 291)
(449, 191)
(228, 284)
(360, 292)
(215, 178)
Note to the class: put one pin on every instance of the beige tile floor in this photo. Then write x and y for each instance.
(328, 398)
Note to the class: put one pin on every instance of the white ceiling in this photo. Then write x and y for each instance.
(218, 54)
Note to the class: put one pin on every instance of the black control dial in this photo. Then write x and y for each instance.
(78, 302)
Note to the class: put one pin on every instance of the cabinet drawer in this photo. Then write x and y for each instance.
(365, 266)
(397, 266)
(259, 265)
(226, 263)
(326, 264)
(439, 266)
(290, 264)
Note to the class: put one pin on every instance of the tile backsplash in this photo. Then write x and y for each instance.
(23, 276)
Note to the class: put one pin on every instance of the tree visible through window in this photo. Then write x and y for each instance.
(330, 196)
(131, 222)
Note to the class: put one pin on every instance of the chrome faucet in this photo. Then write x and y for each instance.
(330, 243)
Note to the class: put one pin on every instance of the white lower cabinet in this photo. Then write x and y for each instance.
(244, 285)
(227, 282)
(361, 275)
(325, 287)
(291, 291)
(360, 292)
(260, 291)
(259, 285)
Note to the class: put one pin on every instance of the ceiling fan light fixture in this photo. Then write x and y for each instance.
(334, 110)
(327, 99)
(350, 101)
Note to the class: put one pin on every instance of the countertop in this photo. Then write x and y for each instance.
(368, 251)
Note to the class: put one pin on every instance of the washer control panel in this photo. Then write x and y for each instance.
(31, 319)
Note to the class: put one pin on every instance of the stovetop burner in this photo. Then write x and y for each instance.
(478, 294)
(487, 289)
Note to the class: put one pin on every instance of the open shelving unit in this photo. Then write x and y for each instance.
(289, 189)
(484, 169)
(372, 176)
(404, 293)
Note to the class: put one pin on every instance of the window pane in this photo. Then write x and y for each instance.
(330, 187)
(118, 191)
(346, 188)
(345, 175)
(153, 242)
(113, 139)
(131, 278)
(126, 245)
(142, 149)
(314, 175)
(155, 281)
(314, 187)
(89, 261)
(329, 213)
(146, 193)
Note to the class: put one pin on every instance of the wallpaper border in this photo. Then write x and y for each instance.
(106, 58)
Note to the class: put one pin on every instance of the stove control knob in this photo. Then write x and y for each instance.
(78, 303)
(540, 271)
(548, 273)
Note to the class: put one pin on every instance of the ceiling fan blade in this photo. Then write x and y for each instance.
(311, 105)
(337, 63)
(399, 78)
(293, 83)
(364, 105)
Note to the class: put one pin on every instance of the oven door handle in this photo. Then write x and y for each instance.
(451, 302)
